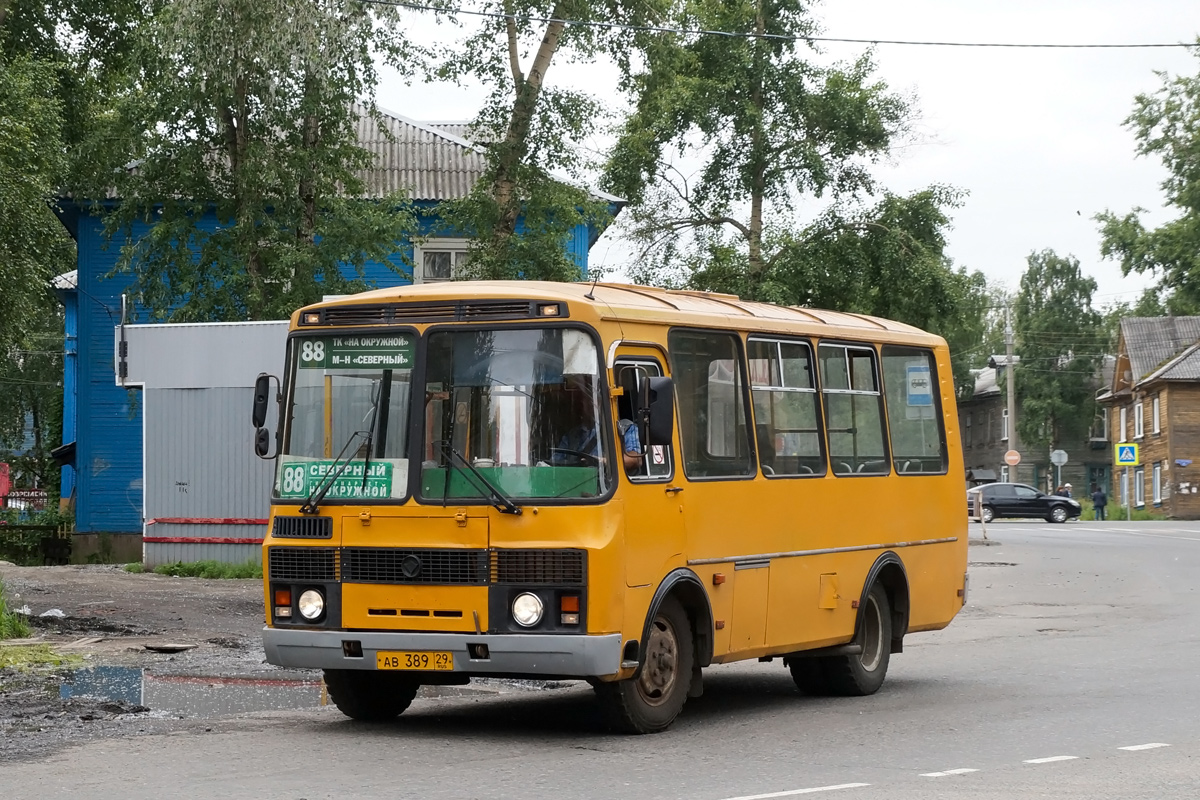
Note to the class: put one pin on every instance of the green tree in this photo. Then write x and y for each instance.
(1166, 125)
(1061, 342)
(249, 109)
(774, 129)
(31, 398)
(535, 130)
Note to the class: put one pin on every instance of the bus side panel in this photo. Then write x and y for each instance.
(810, 601)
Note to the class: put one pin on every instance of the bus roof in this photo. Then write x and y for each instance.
(623, 302)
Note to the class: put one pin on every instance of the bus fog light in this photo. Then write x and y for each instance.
(570, 619)
(311, 604)
(283, 611)
(527, 609)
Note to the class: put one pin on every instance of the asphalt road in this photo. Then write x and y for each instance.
(1071, 674)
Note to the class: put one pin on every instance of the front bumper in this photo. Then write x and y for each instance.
(509, 654)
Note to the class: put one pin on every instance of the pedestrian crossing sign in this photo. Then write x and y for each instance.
(1127, 454)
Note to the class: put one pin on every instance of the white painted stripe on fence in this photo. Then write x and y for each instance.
(1149, 746)
(1048, 760)
(792, 792)
(960, 771)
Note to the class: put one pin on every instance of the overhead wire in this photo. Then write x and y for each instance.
(782, 37)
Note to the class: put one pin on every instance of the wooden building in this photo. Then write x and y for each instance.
(1154, 402)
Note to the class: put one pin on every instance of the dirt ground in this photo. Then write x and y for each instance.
(115, 619)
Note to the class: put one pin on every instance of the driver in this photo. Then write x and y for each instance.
(584, 437)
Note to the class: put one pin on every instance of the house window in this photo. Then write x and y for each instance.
(1154, 416)
(1157, 482)
(1124, 426)
(1099, 432)
(1139, 487)
(1138, 429)
(439, 260)
(1004, 474)
(1004, 425)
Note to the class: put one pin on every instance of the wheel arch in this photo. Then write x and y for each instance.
(685, 585)
(888, 570)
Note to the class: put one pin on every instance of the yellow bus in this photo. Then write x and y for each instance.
(605, 482)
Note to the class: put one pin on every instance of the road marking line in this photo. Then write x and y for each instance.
(1048, 760)
(960, 771)
(1150, 746)
(1161, 536)
(792, 792)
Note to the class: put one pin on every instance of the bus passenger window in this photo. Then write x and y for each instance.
(709, 386)
(786, 416)
(914, 414)
(853, 410)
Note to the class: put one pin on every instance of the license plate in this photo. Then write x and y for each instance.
(424, 660)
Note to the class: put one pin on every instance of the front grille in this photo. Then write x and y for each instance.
(303, 528)
(300, 564)
(436, 311)
(414, 566)
(554, 567)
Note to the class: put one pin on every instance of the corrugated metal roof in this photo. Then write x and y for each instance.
(1184, 367)
(419, 159)
(1152, 341)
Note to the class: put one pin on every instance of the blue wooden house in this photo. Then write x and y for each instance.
(102, 425)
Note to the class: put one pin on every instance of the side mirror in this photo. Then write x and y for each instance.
(262, 399)
(656, 410)
(262, 442)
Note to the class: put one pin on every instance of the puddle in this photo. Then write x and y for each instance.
(191, 696)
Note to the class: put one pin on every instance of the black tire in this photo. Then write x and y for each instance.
(989, 513)
(651, 700)
(809, 675)
(368, 695)
(1058, 514)
(863, 674)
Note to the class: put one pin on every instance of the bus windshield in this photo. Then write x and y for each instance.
(521, 406)
(349, 401)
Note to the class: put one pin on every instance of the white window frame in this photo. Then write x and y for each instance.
(1139, 486)
(1004, 424)
(1101, 427)
(1156, 483)
(1004, 474)
(1154, 409)
(437, 245)
(1139, 420)
(1124, 425)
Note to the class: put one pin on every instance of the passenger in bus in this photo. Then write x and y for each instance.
(631, 445)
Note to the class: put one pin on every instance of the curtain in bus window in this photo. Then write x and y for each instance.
(713, 424)
(786, 417)
(853, 410)
(914, 415)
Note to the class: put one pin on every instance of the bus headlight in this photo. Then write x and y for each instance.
(527, 609)
(311, 604)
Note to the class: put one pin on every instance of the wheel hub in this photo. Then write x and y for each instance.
(660, 670)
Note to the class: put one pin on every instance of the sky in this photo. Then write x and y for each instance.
(1034, 137)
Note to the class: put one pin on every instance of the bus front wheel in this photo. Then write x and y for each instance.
(650, 701)
(370, 696)
(863, 673)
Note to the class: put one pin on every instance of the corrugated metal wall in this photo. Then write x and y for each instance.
(200, 464)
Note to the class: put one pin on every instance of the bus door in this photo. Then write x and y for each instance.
(653, 522)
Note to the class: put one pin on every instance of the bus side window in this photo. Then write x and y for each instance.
(917, 435)
(714, 428)
(787, 420)
(853, 410)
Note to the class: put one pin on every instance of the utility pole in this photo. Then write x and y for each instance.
(1010, 379)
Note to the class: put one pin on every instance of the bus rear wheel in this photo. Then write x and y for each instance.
(370, 696)
(650, 701)
(863, 673)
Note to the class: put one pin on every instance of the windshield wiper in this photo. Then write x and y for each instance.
(314, 499)
(502, 503)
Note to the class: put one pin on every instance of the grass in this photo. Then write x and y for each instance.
(202, 569)
(12, 625)
(1119, 512)
(30, 656)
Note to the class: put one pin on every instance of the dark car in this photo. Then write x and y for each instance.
(1019, 500)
